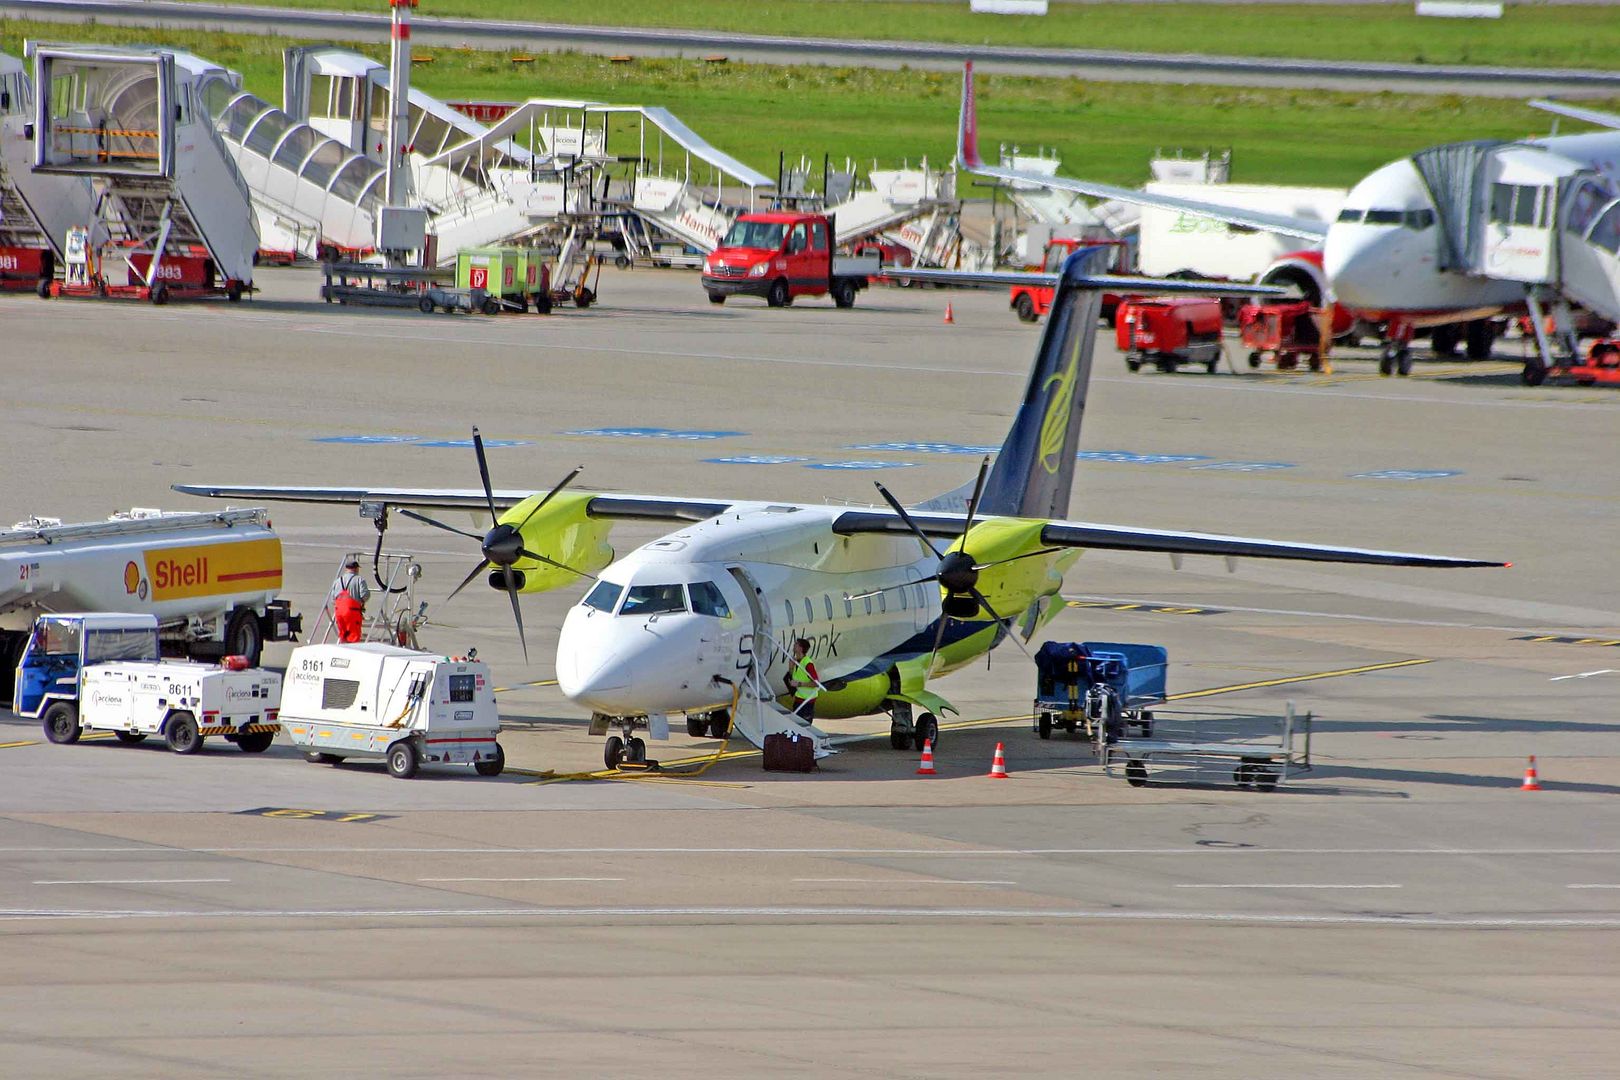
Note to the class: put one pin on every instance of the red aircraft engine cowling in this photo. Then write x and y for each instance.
(1303, 271)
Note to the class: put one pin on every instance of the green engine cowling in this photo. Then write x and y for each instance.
(1014, 586)
(563, 531)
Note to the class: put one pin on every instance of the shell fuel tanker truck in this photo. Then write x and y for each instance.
(210, 579)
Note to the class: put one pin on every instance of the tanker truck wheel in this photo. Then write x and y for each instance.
(61, 722)
(255, 742)
(243, 637)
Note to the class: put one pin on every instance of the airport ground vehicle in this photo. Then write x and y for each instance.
(782, 256)
(103, 672)
(1032, 301)
(1103, 686)
(401, 705)
(210, 579)
(1251, 752)
(1169, 331)
(1287, 332)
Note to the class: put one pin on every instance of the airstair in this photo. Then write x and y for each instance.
(758, 714)
(169, 200)
(36, 209)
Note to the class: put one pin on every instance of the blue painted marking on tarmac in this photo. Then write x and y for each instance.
(862, 465)
(754, 459)
(467, 444)
(654, 433)
(1129, 458)
(1245, 466)
(368, 440)
(926, 448)
(1406, 474)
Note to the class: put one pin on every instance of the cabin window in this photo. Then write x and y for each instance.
(922, 598)
(809, 612)
(788, 604)
(605, 597)
(827, 603)
(902, 594)
(849, 608)
(883, 603)
(707, 599)
(653, 600)
(869, 605)
(339, 693)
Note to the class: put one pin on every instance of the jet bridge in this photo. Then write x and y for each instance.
(169, 200)
(36, 209)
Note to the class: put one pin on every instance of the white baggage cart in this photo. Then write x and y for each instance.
(1214, 751)
(383, 701)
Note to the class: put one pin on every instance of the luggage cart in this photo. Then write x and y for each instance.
(1107, 688)
(1288, 333)
(1253, 752)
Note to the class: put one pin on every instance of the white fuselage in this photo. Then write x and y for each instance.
(1383, 254)
(635, 645)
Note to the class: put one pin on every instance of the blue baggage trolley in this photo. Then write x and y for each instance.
(1105, 687)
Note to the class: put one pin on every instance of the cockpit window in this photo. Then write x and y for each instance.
(708, 600)
(1383, 217)
(605, 597)
(1419, 219)
(654, 600)
(1347, 214)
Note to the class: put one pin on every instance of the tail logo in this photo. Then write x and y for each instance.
(1055, 425)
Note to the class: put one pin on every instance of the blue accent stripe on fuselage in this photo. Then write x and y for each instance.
(922, 643)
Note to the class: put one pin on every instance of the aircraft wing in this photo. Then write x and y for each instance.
(1576, 112)
(615, 507)
(967, 159)
(1082, 534)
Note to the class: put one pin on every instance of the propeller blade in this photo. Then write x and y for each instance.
(890, 588)
(1015, 558)
(483, 474)
(479, 569)
(978, 492)
(979, 596)
(527, 554)
(894, 504)
(939, 637)
(424, 519)
(517, 612)
(564, 482)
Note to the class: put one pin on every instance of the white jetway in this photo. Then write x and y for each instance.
(169, 201)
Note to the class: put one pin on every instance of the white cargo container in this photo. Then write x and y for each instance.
(405, 706)
(1175, 243)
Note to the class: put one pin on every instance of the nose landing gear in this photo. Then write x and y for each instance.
(626, 752)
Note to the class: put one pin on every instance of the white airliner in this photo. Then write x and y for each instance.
(1452, 234)
(700, 620)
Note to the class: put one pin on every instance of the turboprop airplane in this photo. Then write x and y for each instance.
(699, 622)
(1454, 234)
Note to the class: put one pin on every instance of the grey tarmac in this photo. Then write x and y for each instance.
(1403, 910)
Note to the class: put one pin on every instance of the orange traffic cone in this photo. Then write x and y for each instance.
(950, 316)
(926, 766)
(1531, 781)
(998, 765)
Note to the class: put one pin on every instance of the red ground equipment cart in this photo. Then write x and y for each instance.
(1030, 302)
(1169, 331)
(1287, 333)
(1602, 363)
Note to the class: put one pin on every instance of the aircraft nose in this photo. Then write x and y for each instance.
(1359, 266)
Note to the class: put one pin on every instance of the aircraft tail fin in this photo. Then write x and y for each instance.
(967, 124)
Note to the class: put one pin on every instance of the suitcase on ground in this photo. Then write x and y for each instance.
(789, 753)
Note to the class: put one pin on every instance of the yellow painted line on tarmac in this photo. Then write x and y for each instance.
(521, 685)
(952, 725)
(24, 742)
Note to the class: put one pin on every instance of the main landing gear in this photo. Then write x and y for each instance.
(908, 733)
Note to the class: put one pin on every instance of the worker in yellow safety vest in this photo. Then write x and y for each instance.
(804, 682)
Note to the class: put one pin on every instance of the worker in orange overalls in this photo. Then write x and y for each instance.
(349, 595)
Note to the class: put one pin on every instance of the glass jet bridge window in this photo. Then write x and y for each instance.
(654, 600)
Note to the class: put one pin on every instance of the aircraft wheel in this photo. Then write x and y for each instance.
(926, 730)
(1444, 341)
(61, 723)
(1043, 726)
(697, 727)
(181, 733)
(719, 724)
(613, 752)
(635, 751)
(1481, 337)
(492, 766)
(402, 760)
(1386, 361)
(1403, 361)
(1135, 773)
(130, 738)
(899, 737)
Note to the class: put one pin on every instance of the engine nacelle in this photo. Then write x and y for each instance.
(561, 531)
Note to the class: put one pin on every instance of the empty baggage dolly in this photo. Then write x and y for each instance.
(1257, 752)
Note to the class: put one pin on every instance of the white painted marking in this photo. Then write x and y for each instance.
(1592, 886)
(910, 914)
(1150, 605)
(520, 879)
(141, 881)
(917, 852)
(1584, 675)
(1271, 886)
(892, 881)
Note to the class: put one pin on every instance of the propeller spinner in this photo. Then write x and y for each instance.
(502, 545)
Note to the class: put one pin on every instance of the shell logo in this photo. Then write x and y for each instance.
(132, 578)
